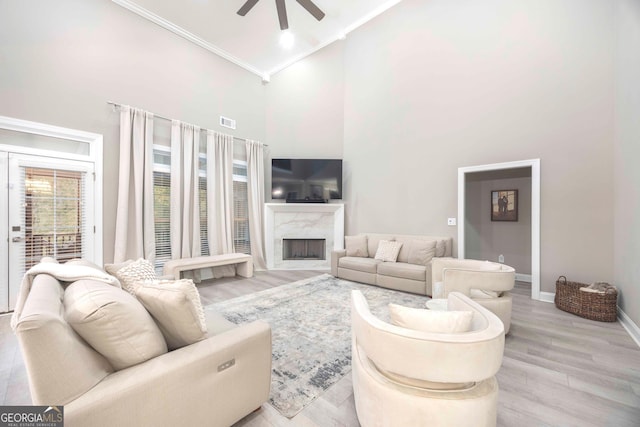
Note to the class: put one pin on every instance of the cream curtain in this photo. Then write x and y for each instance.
(255, 190)
(185, 202)
(220, 194)
(135, 231)
(220, 199)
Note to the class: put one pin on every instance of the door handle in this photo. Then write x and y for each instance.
(17, 239)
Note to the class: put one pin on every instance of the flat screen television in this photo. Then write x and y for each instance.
(306, 180)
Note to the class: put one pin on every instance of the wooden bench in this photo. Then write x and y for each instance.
(244, 263)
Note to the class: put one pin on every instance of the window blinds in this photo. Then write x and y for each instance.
(54, 216)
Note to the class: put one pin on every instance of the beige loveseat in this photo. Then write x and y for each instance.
(361, 265)
(212, 382)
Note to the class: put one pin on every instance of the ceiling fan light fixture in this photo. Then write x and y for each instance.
(281, 8)
(287, 39)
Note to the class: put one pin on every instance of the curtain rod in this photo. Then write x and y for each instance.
(115, 104)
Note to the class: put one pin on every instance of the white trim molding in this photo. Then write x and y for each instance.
(167, 25)
(629, 325)
(534, 164)
(265, 75)
(523, 277)
(547, 297)
(95, 142)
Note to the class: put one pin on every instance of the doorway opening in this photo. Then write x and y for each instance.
(482, 179)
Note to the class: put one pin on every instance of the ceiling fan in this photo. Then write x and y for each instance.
(282, 10)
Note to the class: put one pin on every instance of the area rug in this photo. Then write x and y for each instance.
(311, 332)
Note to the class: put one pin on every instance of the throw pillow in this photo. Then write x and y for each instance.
(112, 269)
(421, 252)
(441, 248)
(133, 272)
(388, 250)
(113, 322)
(446, 322)
(356, 246)
(176, 307)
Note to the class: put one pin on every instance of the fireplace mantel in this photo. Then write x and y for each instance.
(302, 221)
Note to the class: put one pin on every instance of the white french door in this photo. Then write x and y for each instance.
(50, 199)
(49, 209)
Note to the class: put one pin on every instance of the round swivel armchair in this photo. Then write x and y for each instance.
(488, 283)
(407, 377)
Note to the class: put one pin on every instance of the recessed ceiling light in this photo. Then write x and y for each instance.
(286, 40)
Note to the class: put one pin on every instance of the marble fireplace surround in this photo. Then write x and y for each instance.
(302, 221)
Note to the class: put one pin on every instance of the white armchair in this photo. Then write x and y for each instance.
(488, 283)
(405, 377)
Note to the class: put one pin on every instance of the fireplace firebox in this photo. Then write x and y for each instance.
(304, 249)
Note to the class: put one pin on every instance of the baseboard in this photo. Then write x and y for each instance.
(629, 325)
(547, 296)
(524, 278)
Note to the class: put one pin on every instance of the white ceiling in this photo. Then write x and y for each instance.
(252, 41)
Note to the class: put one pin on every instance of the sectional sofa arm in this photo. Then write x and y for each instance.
(335, 257)
(214, 382)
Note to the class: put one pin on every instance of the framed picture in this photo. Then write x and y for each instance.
(504, 205)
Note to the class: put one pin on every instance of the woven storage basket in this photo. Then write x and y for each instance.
(590, 305)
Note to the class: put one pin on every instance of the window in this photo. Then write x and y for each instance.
(161, 193)
(54, 214)
(161, 200)
(241, 238)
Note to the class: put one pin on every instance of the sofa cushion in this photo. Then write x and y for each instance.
(130, 273)
(175, 305)
(441, 248)
(113, 322)
(421, 252)
(388, 250)
(403, 270)
(419, 319)
(62, 365)
(356, 246)
(367, 265)
(373, 240)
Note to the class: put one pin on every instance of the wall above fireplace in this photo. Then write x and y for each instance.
(303, 221)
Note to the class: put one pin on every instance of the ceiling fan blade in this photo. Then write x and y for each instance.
(247, 7)
(282, 14)
(312, 9)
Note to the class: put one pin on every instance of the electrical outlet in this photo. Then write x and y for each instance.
(451, 221)
(501, 259)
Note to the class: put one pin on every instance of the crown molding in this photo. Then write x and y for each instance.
(167, 25)
(264, 75)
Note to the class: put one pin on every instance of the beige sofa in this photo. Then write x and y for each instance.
(401, 275)
(212, 382)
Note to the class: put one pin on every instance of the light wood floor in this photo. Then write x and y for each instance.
(558, 369)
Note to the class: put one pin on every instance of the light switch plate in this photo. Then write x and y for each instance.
(451, 221)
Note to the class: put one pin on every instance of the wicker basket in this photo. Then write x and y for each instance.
(590, 305)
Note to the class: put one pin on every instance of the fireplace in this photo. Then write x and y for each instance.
(302, 221)
(303, 249)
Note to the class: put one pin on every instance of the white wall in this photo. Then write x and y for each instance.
(61, 61)
(627, 152)
(304, 110)
(304, 113)
(431, 86)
